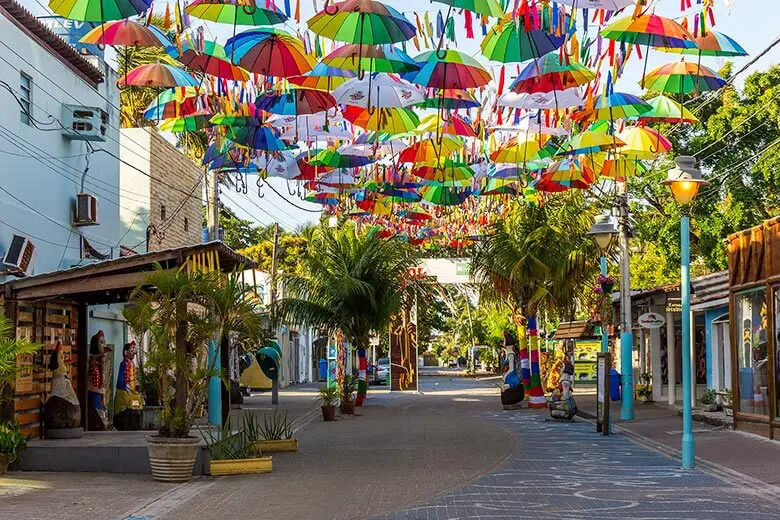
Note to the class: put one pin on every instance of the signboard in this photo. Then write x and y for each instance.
(333, 366)
(24, 374)
(403, 353)
(673, 305)
(651, 320)
(462, 267)
(72, 31)
(602, 392)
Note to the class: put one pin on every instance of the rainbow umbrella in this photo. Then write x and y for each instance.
(665, 110)
(374, 205)
(493, 186)
(390, 120)
(448, 170)
(516, 152)
(444, 195)
(257, 137)
(236, 12)
(392, 194)
(448, 69)
(189, 123)
(98, 10)
(177, 102)
(210, 59)
(549, 74)
(712, 44)
(294, 102)
(566, 171)
(127, 33)
(371, 58)
(643, 143)
(308, 171)
(447, 125)
(486, 7)
(545, 184)
(650, 30)
(158, 75)
(607, 5)
(683, 77)
(514, 173)
(616, 168)
(430, 151)
(519, 38)
(363, 22)
(333, 159)
(450, 99)
(326, 199)
(589, 141)
(322, 77)
(556, 99)
(269, 51)
(614, 105)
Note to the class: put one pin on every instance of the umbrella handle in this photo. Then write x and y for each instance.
(361, 74)
(327, 10)
(371, 110)
(441, 53)
(249, 9)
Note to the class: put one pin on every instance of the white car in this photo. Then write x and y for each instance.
(380, 372)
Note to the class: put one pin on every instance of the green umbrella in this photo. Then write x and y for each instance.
(98, 10)
(509, 42)
(235, 13)
(486, 7)
(366, 22)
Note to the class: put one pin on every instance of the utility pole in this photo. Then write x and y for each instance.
(275, 382)
(212, 206)
(626, 334)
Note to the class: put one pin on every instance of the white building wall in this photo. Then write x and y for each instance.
(43, 169)
(134, 181)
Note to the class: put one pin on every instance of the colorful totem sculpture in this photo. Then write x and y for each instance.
(525, 362)
(362, 377)
(536, 398)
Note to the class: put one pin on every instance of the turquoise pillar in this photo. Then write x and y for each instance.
(604, 336)
(688, 455)
(215, 386)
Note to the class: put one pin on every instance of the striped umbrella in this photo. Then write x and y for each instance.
(643, 143)
(371, 58)
(294, 102)
(389, 120)
(363, 22)
(526, 36)
(98, 10)
(269, 51)
(236, 12)
(550, 74)
(683, 78)
(448, 125)
(257, 137)
(516, 152)
(712, 43)
(612, 106)
(665, 110)
(322, 77)
(448, 69)
(127, 33)
(450, 99)
(158, 75)
(210, 59)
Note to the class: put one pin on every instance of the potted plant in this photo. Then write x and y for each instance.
(329, 397)
(709, 401)
(12, 444)
(645, 391)
(349, 386)
(186, 313)
(276, 434)
(236, 453)
(606, 283)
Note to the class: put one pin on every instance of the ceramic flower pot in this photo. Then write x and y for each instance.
(328, 412)
(347, 407)
(172, 459)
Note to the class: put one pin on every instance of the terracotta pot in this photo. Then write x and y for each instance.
(172, 459)
(347, 407)
(3, 463)
(328, 412)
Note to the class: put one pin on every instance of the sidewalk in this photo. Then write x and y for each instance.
(728, 454)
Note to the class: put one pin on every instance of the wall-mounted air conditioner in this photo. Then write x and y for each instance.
(86, 210)
(19, 257)
(84, 123)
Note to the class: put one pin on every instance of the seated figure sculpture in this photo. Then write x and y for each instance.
(512, 391)
(62, 411)
(562, 404)
(128, 407)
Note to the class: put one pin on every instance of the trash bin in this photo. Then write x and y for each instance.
(323, 369)
(614, 385)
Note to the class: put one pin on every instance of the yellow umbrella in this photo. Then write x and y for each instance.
(643, 143)
(615, 167)
(431, 151)
(516, 152)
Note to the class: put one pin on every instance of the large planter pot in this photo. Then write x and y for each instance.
(347, 407)
(328, 412)
(172, 459)
(3, 463)
(240, 466)
(713, 407)
(275, 446)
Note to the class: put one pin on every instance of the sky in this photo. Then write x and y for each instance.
(752, 23)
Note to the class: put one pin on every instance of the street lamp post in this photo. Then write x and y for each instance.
(603, 232)
(684, 181)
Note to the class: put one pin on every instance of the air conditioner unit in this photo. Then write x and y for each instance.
(84, 123)
(19, 257)
(86, 210)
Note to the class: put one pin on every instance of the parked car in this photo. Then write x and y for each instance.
(378, 374)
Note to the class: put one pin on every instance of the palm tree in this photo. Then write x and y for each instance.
(10, 348)
(538, 256)
(351, 281)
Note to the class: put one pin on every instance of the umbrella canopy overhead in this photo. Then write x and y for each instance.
(236, 12)
(614, 105)
(665, 110)
(362, 21)
(378, 90)
(643, 143)
(451, 125)
(650, 30)
(297, 101)
(713, 43)
(448, 69)
(514, 39)
(126, 32)
(450, 99)
(551, 73)
(269, 51)
(210, 59)
(322, 77)
(485, 7)
(390, 120)
(683, 78)
(98, 10)
(371, 58)
(158, 75)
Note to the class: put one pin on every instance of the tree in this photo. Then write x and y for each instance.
(291, 249)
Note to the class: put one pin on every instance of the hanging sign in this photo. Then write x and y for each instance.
(651, 320)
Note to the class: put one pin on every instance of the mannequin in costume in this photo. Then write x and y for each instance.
(97, 413)
(128, 406)
(511, 390)
(62, 410)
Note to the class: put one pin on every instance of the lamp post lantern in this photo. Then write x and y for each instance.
(603, 233)
(684, 181)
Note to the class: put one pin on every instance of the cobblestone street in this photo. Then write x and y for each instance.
(448, 453)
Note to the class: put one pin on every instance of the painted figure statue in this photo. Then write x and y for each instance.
(562, 405)
(512, 391)
(97, 413)
(62, 411)
(128, 407)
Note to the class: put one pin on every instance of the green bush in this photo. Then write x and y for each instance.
(12, 441)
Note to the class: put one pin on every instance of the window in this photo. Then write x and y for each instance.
(162, 211)
(752, 352)
(186, 224)
(25, 98)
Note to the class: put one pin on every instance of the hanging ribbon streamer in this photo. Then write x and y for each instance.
(167, 18)
(287, 10)
(317, 48)
(483, 21)
(298, 10)
(177, 14)
(468, 24)
(449, 33)
(439, 25)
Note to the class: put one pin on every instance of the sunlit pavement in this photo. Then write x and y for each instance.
(447, 452)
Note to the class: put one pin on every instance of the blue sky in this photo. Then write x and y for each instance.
(753, 23)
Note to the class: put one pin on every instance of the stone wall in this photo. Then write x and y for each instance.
(176, 186)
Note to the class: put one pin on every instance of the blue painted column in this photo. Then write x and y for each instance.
(604, 335)
(215, 386)
(685, 294)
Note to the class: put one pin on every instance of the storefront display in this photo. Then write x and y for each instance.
(752, 352)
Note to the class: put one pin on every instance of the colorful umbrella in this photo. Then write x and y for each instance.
(210, 59)
(650, 30)
(189, 123)
(333, 159)
(371, 58)
(612, 106)
(296, 101)
(566, 171)
(492, 186)
(607, 5)
(665, 110)
(449, 170)
(516, 152)
(158, 75)
(257, 137)
(486, 7)
(98, 10)
(551, 73)
(363, 22)
(326, 199)
(128, 33)
(307, 170)
(378, 90)
(713, 43)
(519, 38)
(450, 99)
(322, 77)
(683, 78)
(589, 141)
(269, 51)
(430, 151)
(236, 12)
(543, 100)
(444, 196)
(615, 168)
(447, 125)
(643, 143)
(177, 102)
(390, 120)
(448, 69)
